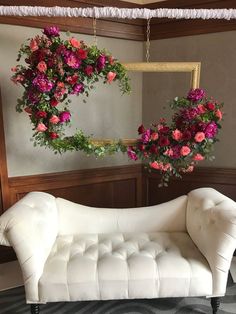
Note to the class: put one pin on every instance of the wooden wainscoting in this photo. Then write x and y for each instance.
(102, 187)
(221, 179)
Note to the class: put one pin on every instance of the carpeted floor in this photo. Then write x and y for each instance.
(13, 301)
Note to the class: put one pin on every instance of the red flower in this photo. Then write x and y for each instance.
(141, 147)
(82, 54)
(164, 141)
(211, 106)
(41, 114)
(53, 102)
(88, 70)
(72, 79)
(53, 135)
(154, 149)
(141, 129)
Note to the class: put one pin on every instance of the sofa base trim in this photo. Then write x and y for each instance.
(34, 308)
(215, 304)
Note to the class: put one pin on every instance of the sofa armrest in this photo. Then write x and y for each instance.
(211, 223)
(30, 227)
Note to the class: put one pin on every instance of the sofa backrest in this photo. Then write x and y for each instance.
(75, 218)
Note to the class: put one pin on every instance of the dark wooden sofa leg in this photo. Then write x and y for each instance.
(215, 304)
(34, 308)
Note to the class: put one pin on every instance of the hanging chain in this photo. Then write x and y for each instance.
(148, 41)
(95, 40)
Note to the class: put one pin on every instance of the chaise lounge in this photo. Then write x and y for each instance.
(71, 252)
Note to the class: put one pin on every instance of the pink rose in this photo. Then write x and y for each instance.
(219, 114)
(34, 45)
(74, 42)
(198, 157)
(54, 119)
(185, 150)
(110, 76)
(177, 135)
(41, 127)
(42, 66)
(169, 152)
(199, 137)
(154, 136)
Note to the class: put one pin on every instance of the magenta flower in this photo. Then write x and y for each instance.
(78, 88)
(42, 83)
(101, 62)
(196, 94)
(132, 155)
(211, 129)
(146, 136)
(64, 116)
(51, 31)
(72, 60)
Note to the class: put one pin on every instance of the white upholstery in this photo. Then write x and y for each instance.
(71, 252)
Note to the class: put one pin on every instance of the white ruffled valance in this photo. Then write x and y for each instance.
(121, 13)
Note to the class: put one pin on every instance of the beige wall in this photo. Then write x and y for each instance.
(217, 53)
(106, 114)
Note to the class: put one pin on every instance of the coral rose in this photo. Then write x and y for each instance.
(34, 45)
(199, 137)
(42, 66)
(41, 127)
(198, 157)
(185, 150)
(177, 135)
(54, 119)
(110, 76)
(219, 114)
(154, 136)
(154, 165)
(74, 42)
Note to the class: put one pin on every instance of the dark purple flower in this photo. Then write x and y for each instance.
(146, 136)
(33, 97)
(190, 113)
(196, 94)
(101, 62)
(210, 129)
(51, 31)
(186, 135)
(42, 83)
(132, 155)
(78, 88)
(64, 116)
(176, 151)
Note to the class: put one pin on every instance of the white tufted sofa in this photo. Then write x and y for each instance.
(70, 252)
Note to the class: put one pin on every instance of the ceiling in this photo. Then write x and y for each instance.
(143, 1)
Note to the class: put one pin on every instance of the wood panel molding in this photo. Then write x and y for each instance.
(221, 179)
(127, 29)
(4, 186)
(119, 186)
(169, 28)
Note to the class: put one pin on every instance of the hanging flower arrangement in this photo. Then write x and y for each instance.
(55, 69)
(176, 149)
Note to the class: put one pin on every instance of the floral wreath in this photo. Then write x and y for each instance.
(57, 68)
(176, 149)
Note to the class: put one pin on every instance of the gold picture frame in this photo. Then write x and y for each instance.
(185, 67)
